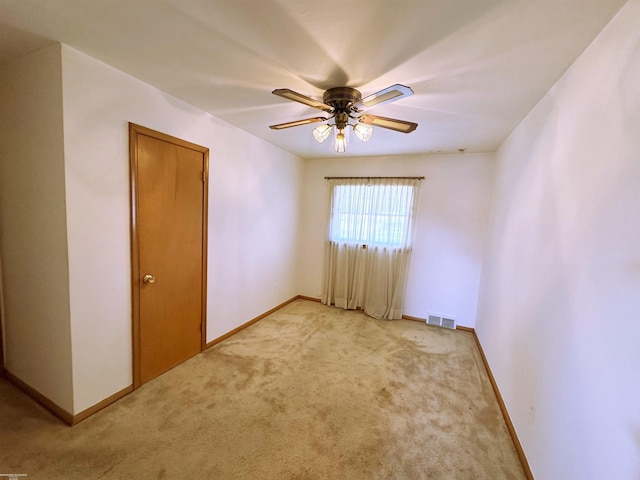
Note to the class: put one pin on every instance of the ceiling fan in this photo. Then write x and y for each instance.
(344, 104)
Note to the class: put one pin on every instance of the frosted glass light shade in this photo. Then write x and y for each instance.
(363, 132)
(321, 133)
(341, 142)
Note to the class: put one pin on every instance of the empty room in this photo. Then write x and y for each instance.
(287, 239)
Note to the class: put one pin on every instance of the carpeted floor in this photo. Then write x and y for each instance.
(310, 392)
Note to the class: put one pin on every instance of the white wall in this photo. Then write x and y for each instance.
(33, 234)
(560, 293)
(449, 233)
(253, 214)
(65, 221)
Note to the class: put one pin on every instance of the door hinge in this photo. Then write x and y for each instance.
(204, 176)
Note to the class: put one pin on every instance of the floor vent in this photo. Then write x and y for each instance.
(441, 321)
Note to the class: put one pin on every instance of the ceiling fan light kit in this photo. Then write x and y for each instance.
(322, 132)
(344, 104)
(340, 144)
(362, 131)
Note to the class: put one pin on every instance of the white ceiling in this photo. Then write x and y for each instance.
(477, 67)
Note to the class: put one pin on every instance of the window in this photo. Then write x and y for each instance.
(372, 211)
(379, 213)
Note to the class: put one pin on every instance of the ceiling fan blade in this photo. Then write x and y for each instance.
(297, 123)
(298, 97)
(389, 94)
(390, 123)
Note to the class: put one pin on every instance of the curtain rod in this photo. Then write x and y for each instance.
(367, 178)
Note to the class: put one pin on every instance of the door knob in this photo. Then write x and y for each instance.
(148, 279)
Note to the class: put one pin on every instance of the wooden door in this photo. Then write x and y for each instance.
(169, 230)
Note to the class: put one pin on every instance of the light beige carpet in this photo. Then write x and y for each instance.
(310, 392)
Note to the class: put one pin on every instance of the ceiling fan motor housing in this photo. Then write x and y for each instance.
(342, 100)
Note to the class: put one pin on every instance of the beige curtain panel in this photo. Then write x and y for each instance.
(369, 244)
